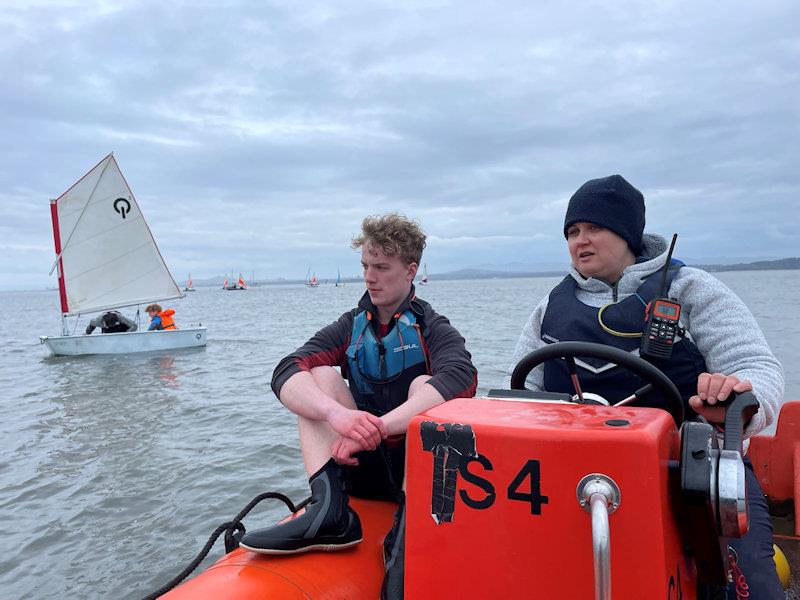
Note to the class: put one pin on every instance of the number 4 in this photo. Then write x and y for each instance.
(531, 469)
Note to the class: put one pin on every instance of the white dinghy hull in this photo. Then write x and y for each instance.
(125, 343)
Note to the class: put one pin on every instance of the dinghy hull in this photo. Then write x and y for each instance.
(125, 343)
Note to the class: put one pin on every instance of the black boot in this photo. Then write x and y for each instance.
(394, 546)
(328, 523)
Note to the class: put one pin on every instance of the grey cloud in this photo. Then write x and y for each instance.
(288, 122)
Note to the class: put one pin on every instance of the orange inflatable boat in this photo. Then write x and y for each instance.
(520, 495)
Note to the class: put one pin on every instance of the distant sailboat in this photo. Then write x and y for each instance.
(238, 285)
(311, 280)
(424, 279)
(189, 286)
(338, 278)
(107, 258)
(225, 283)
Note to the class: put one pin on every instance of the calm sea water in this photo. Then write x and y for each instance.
(115, 470)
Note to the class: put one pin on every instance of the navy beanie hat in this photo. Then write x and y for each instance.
(610, 202)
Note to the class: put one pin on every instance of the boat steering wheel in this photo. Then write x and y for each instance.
(654, 377)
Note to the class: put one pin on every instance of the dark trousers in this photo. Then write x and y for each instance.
(754, 550)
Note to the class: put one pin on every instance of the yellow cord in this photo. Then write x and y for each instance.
(611, 331)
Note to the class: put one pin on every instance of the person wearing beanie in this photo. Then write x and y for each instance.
(400, 358)
(616, 270)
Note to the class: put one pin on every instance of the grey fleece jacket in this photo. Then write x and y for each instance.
(716, 320)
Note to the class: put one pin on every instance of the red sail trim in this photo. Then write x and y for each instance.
(62, 290)
(83, 176)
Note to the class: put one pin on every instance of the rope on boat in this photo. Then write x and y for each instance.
(234, 530)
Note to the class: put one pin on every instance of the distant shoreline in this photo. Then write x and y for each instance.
(783, 264)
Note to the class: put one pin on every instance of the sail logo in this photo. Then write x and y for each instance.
(406, 347)
(122, 206)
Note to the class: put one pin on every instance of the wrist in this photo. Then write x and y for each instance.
(332, 409)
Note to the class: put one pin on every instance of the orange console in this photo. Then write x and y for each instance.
(493, 508)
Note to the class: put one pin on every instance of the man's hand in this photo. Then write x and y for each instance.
(365, 429)
(713, 388)
(343, 450)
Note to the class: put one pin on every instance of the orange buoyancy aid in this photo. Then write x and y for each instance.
(166, 319)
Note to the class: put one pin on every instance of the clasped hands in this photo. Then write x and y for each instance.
(358, 430)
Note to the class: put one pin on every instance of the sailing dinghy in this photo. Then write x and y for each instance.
(311, 280)
(106, 259)
(238, 285)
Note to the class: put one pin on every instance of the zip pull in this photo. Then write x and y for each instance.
(381, 360)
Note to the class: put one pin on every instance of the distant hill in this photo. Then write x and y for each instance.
(761, 265)
(478, 273)
(474, 273)
(500, 273)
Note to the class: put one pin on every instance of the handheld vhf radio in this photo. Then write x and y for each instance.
(660, 319)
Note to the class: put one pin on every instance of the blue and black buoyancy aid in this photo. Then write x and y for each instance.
(569, 319)
(380, 370)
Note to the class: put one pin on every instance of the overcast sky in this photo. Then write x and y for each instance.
(257, 135)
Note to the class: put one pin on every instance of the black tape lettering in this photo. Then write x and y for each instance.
(448, 443)
(482, 483)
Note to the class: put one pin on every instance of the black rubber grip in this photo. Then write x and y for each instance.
(740, 408)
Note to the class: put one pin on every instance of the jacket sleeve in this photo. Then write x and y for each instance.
(328, 347)
(529, 340)
(452, 373)
(94, 324)
(155, 324)
(727, 335)
(129, 323)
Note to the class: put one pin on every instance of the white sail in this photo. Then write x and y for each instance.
(107, 256)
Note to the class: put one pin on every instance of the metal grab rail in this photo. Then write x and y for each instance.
(599, 495)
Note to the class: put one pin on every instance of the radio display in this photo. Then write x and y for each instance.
(666, 310)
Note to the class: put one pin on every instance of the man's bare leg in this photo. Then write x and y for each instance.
(328, 522)
(317, 437)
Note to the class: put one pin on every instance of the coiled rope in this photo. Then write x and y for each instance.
(234, 530)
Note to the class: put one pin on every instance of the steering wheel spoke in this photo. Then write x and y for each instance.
(573, 374)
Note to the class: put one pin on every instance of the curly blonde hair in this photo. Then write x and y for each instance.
(393, 234)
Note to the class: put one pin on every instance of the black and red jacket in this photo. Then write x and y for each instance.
(450, 365)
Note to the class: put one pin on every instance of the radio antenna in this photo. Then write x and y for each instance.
(666, 266)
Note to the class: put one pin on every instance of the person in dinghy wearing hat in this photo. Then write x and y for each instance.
(399, 358)
(616, 266)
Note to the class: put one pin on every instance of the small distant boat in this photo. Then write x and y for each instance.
(338, 278)
(238, 285)
(189, 285)
(107, 258)
(424, 279)
(311, 280)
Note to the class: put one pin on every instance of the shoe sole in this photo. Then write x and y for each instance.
(322, 547)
